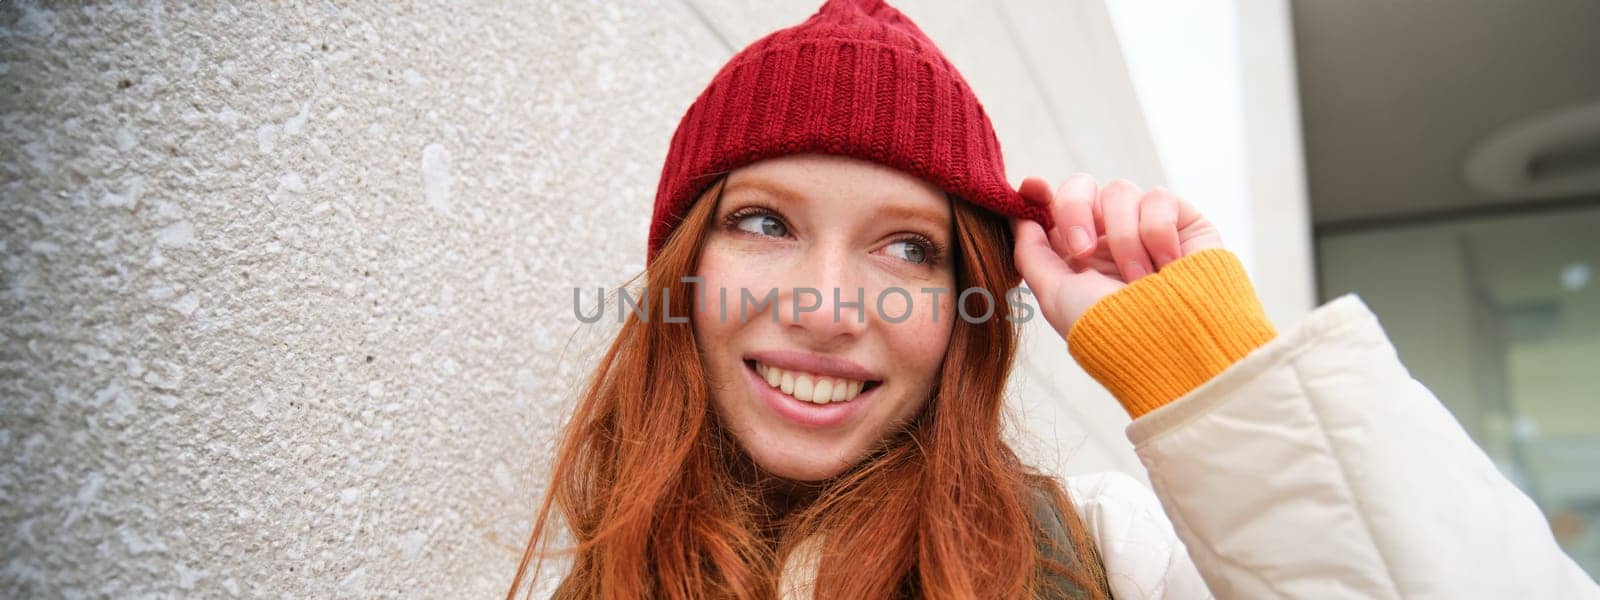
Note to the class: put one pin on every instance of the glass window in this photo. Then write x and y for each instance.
(1500, 317)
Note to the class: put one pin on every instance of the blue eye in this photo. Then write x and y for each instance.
(909, 250)
(766, 225)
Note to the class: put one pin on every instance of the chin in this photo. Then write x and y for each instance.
(796, 460)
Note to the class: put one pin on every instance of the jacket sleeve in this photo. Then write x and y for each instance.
(1315, 466)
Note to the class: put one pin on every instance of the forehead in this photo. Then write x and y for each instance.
(840, 183)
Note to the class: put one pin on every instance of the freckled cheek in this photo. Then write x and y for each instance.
(722, 280)
(714, 334)
(708, 327)
(920, 340)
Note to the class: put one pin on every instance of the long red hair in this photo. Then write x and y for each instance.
(663, 504)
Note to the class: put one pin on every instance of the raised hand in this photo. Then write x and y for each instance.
(1104, 238)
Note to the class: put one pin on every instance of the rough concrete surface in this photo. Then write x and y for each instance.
(286, 287)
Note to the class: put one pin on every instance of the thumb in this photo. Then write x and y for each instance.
(1039, 264)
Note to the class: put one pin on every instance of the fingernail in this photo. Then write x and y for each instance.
(1078, 239)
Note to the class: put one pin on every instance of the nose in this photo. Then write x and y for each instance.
(827, 301)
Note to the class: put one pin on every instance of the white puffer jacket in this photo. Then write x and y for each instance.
(1316, 467)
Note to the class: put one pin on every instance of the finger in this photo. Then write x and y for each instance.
(1196, 233)
(1073, 211)
(1099, 262)
(1119, 202)
(1039, 264)
(1158, 226)
(1037, 191)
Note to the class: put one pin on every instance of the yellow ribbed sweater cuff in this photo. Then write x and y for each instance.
(1165, 334)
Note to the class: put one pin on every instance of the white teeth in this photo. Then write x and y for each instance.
(810, 387)
(802, 387)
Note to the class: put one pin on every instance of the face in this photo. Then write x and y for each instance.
(807, 394)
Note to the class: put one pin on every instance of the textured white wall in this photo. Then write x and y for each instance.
(287, 287)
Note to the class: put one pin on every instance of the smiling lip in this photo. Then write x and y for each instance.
(830, 366)
(807, 414)
(804, 413)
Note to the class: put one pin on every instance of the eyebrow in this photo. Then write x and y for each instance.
(771, 188)
(938, 218)
(932, 218)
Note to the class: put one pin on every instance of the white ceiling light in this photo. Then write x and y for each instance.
(1574, 275)
(1552, 154)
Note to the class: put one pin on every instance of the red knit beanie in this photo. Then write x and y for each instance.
(857, 79)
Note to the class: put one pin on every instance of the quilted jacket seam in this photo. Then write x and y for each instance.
(1346, 482)
(1180, 519)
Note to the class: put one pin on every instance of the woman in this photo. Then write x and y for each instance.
(826, 420)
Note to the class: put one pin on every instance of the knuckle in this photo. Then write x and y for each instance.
(1122, 187)
(1123, 239)
(1078, 188)
(1157, 210)
(1073, 201)
(1078, 203)
(1160, 197)
(1156, 227)
(1080, 178)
